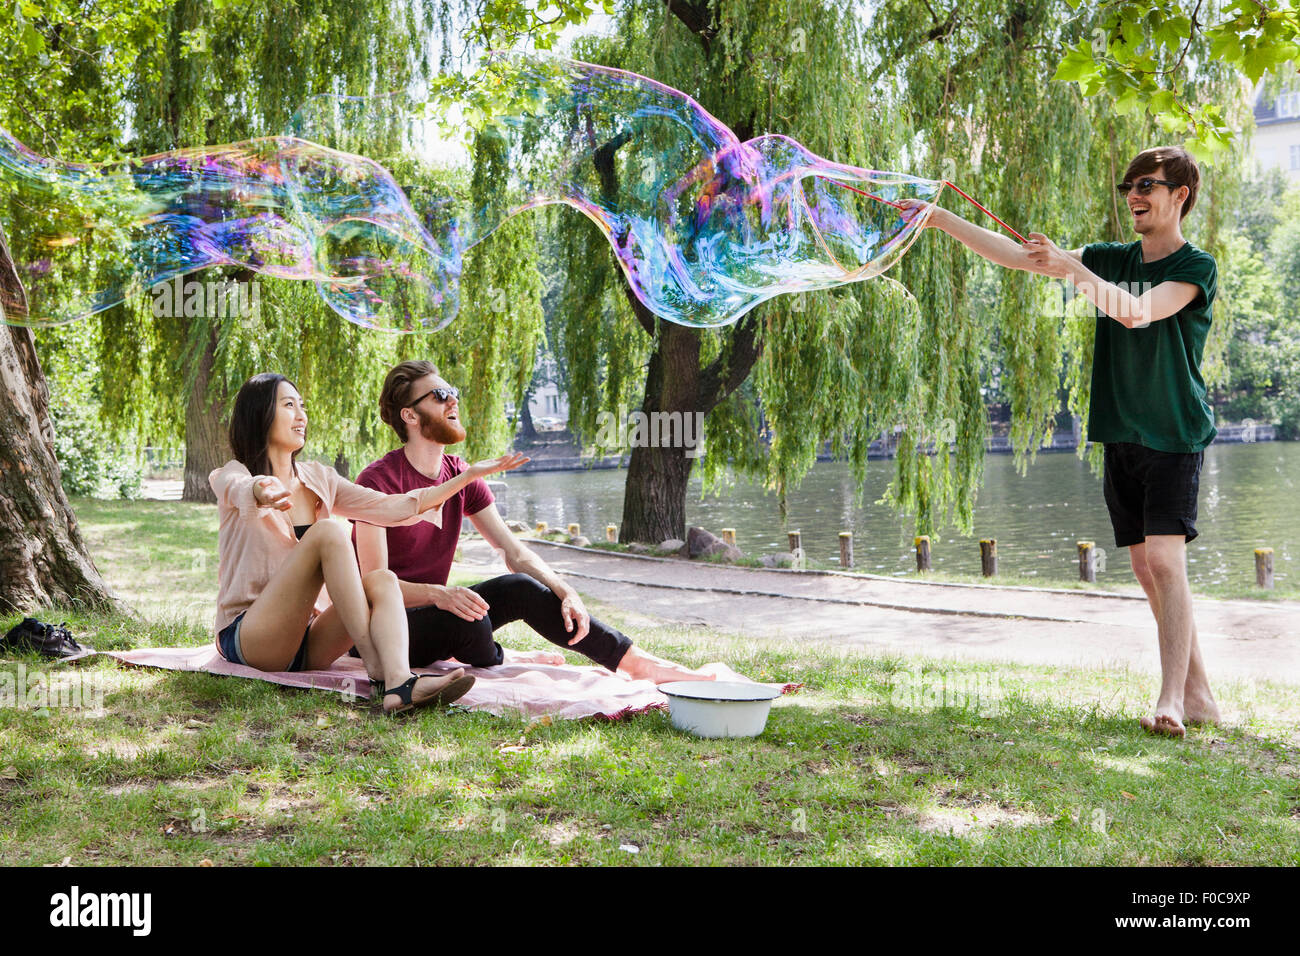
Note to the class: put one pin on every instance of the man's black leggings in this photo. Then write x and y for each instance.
(437, 634)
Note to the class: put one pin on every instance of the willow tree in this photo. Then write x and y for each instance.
(87, 51)
(217, 73)
(760, 67)
(226, 72)
(980, 93)
(492, 350)
(959, 91)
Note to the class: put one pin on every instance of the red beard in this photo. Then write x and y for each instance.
(443, 432)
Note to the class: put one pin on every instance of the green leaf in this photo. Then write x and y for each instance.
(1118, 82)
(1199, 150)
(1255, 64)
(33, 42)
(1167, 37)
(1078, 65)
(1273, 29)
(1161, 102)
(1131, 29)
(1226, 46)
(1146, 62)
(1127, 103)
(1172, 122)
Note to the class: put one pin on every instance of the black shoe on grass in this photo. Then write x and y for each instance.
(46, 639)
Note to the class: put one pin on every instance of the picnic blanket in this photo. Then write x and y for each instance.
(533, 690)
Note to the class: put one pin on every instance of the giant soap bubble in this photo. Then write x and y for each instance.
(370, 198)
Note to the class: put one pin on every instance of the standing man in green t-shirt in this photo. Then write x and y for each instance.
(1148, 406)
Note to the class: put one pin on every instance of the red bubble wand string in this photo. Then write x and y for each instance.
(955, 187)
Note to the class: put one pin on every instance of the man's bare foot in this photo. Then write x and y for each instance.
(640, 665)
(1165, 724)
(1206, 715)
(1200, 709)
(554, 658)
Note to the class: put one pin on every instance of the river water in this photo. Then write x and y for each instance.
(1250, 497)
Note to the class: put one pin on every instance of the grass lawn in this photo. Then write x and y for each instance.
(877, 760)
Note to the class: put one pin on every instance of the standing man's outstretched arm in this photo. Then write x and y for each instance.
(1042, 257)
(993, 246)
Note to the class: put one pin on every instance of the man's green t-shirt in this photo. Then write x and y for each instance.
(1146, 383)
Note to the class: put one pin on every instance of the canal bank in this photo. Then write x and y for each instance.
(1247, 501)
(1240, 639)
(566, 454)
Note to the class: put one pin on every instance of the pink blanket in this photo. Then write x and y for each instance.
(533, 690)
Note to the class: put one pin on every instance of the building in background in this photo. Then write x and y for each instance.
(548, 404)
(549, 407)
(1277, 131)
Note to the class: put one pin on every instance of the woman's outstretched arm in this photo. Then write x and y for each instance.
(365, 504)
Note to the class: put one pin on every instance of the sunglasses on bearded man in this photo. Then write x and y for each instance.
(440, 393)
(1144, 186)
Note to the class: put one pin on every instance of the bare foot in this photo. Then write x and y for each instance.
(720, 671)
(1201, 710)
(640, 665)
(1165, 724)
(554, 658)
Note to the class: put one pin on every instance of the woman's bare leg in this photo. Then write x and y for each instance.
(329, 639)
(388, 629)
(270, 634)
(272, 630)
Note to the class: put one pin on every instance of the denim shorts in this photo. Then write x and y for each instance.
(1151, 492)
(228, 645)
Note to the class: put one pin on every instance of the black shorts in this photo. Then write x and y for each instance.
(1151, 492)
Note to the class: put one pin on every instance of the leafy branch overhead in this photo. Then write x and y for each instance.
(1145, 55)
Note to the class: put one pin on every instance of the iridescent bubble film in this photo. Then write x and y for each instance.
(371, 199)
(84, 238)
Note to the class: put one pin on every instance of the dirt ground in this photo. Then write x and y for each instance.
(1240, 639)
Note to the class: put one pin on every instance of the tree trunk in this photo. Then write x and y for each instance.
(206, 444)
(654, 497)
(43, 559)
(527, 429)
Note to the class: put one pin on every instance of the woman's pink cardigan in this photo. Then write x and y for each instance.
(253, 541)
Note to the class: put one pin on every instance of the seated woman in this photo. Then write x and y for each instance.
(277, 550)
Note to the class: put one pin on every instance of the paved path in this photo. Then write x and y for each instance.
(161, 489)
(1243, 639)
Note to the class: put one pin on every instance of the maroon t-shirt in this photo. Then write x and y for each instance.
(422, 553)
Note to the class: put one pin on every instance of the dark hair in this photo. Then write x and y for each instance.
(396, 393)
(1179, 168)
(250, 422)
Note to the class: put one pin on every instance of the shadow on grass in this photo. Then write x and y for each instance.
(183, 767)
